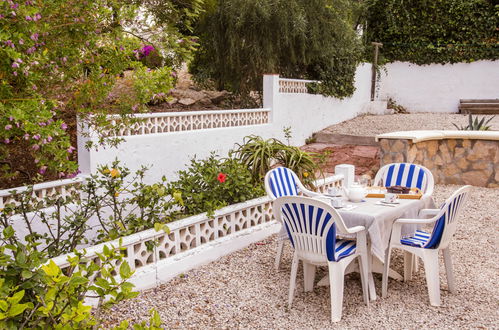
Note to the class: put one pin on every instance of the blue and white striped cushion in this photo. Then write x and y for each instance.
(344, 248)
(407, 175)
(306, 219)
(418, 240)
(282, 182)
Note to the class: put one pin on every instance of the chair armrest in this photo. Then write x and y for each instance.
(310, 193)
(414, 221)
(428, 212)
(356, 229)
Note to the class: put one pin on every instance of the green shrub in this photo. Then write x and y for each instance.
(212, 183)
(424, 32)
(37, 294)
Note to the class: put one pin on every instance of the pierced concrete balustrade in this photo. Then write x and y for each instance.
(454, 157)
(159, 256)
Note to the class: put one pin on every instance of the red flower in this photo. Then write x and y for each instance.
(221, 177)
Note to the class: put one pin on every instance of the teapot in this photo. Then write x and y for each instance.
(356, 192)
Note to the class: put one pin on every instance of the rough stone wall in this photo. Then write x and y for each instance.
(452, 161)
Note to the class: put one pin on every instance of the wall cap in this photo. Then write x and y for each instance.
(419, 136)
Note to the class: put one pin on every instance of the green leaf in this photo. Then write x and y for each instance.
(125, 271)
(17, 309)
(51, 269)
(8, 232)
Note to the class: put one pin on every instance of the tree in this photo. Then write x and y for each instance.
(240, 40)
(61, 59)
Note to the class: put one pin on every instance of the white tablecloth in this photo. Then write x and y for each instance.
(378, 219)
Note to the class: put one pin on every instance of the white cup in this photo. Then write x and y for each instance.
(337, 202)
(391, 198)
(334, 191)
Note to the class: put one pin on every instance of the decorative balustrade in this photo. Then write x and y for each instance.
(62, 188)
(293, 85)
(152, 123)
(149, 246)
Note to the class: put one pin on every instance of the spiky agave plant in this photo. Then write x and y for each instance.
(476, 124)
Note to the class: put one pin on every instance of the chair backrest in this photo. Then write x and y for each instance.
(406, 175)
(446, 225)
(281, 181)
(311, 225)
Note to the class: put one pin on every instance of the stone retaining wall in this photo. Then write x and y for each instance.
(451, 160)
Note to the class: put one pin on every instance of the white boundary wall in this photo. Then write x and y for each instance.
(437, 87)
(171, 149)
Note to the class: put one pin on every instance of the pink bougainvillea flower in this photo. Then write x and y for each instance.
(28, 18)
(6, 141)
(15, 65)
(34, 36)
(35, 147)
(8, 127)
(31, 50)
(36, 136)
(26, 136)
(37, 17)
(21, 41)
(71, 149)
(14, 73)
(49, 138)
(64, 126)
(42, 170)
(221, 177)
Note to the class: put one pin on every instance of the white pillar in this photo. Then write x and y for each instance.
(348, 172)
(270, 93)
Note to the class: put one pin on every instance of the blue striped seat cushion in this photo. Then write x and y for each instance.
(344, 248)
(418, 240)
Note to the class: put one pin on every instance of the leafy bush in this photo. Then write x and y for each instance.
(37, 294)
(424, 32)
(212, 183)
(475, 124)
(260, 155)
(122, 203)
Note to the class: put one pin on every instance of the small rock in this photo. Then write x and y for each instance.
(187, 101)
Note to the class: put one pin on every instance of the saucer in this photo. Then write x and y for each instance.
(390, 203)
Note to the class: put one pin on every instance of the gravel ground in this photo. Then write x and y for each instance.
(369, 125)
(242, 290)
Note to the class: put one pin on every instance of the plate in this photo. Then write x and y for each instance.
(339, 195)
(390, 203)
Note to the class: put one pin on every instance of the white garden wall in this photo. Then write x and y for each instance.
(168, 141)
(437, 87)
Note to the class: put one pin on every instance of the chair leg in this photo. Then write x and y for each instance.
(336, 278)
(415, 268)
(308, 276)
(292, 281)
(278, 254)
(364, 277)
(372, 288)
(430, 259)
(408, 264)
(451, 283)
(386, 268)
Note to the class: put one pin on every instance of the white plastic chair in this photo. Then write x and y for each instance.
(279, 182)
(427, 245)
(312, 226)
(406, 175)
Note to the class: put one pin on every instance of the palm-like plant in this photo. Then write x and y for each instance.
(261, 155)
(474, 124)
